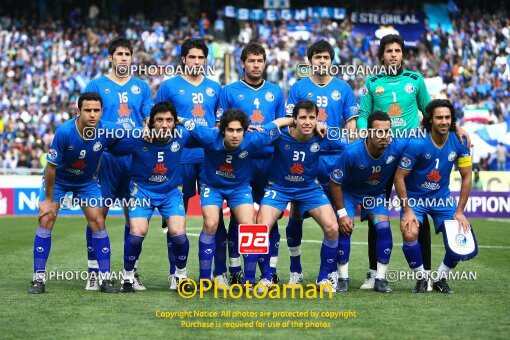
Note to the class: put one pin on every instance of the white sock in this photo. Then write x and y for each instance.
(136, 265)
(181, 273)
(420, 273)
(128, 275)
(381, 271)
(443, 271)
(373, 272)
(343, 270)
(234, 262)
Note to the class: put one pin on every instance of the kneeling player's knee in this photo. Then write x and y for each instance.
(97, 223)
(210, 226)
(410, 236)
(331, 230)
(47, 221)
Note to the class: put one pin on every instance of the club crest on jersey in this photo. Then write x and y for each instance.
(181, 91)
(427, 156)
(175, 147)
(52, 153)
(379, 90)
(97, 146)
(210, 92)
(405, 162)
(135, 89)
(189, 125)
(364, 91)
(315, 147)
(243, 154)
(409, 88)
(452, 156)
(336, 95)
(269, 97)
(289, 109)
(390, 159)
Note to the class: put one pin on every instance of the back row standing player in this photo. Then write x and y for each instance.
(194, 97)
(127, 102)
(337, 107)
(401, 95)
(263, 102)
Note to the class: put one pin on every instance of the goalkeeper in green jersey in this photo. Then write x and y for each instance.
(401, 95)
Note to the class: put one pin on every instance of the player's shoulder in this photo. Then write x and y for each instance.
(139, 82)
(272, 86)
(414, 75)
(354, 147)
(67, 126)
(232, 87)
(211, 83)
(339, 83)
(301, 84)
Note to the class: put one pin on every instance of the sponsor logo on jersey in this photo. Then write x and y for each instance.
(135, 89)
(160, 169)
(335, 95)
(287, 146)
(362, 166)
(79, 164)
(409, 88)
(210, 92)
(269, 97)
(243, 154)
(175, 147)
(434, 176)
(257, 117)
(452, 156)
(315, 147)
(431, 186)
(364, 91)
(189, 125)
(373, 179)
(98, 146)
(379, 90)
(226, 168)
(297, 169)
(310, 95)
(52, 153)
(405, 162)
(390, 159)
(427, 156)
(106, 91)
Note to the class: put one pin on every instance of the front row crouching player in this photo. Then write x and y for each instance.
(423, 177)
(73, 159)
(293, 179)
(361, 176)
(226, 175)
(156, 182)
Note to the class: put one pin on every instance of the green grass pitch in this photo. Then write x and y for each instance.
(478, 309)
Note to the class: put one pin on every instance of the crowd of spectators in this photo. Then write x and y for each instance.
(45, 66)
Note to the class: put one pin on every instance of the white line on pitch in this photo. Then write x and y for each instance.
(395, 244)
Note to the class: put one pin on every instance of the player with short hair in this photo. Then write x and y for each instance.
(127, 102)
(401, 95)
(424, 172)
(263, 102)
(295, 169)
(337, 107)
(156, 176)
(73, 159)
(226, 175)
(360, 176)
(195, 97)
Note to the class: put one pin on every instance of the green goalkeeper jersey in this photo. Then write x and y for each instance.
(400, 96)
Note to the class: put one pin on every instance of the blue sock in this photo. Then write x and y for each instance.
(91, 257)
(343, 248)
(206, 245)
(384, 242)
(450, 261)
(412, 252)
(220, 255)
(294, 232)
(171, 256)
(250, 267)
(180, 244)
(42, 247)
(233, 246)
(274, 245)
(328, 256)
(132, 249)
(101, 244)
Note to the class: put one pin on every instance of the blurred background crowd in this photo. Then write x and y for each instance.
(47, 57)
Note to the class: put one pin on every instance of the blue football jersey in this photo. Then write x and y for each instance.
(77, 159)
(335, 101)
(197, 102)
(224, 168)
(295, 164)
(431, 165)
(262, 105)
(359, 173)
(125, 105)
(156, 166)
